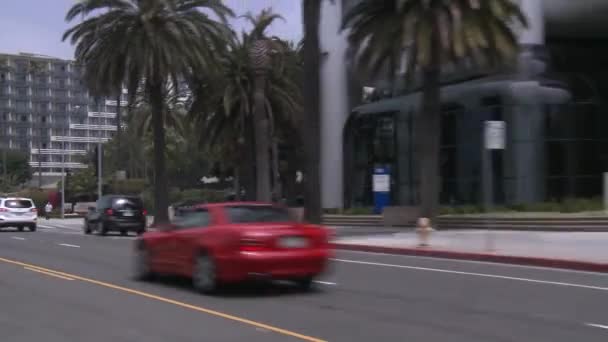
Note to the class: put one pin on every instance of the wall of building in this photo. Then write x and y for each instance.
(334, 104)
(45, 110)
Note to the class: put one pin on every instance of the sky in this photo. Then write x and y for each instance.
(36, 26)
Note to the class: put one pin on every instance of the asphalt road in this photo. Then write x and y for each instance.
(366, 297)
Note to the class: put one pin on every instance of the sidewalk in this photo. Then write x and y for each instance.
(582, 251)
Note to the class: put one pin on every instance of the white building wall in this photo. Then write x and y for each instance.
(334, 104)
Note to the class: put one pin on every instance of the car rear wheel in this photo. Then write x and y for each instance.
(87, 228)
(101, 229)
(33, 228)
(204, 276)
(141, 266)
(20, 228)
(305, 284)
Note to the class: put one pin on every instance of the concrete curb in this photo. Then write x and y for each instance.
(485, 257)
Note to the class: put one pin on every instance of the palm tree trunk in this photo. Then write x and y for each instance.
(161, 202)
(236, 183)
(262, 143)
(428, 136)
(276, 175)
(247, 165)
(312, 85)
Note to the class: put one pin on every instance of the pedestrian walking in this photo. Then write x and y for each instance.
(48, 208)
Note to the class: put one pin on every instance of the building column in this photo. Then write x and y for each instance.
(334, 104)
(531, 61)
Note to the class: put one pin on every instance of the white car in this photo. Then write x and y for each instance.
(18, 213)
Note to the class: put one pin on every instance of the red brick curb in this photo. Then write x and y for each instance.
(496, 258)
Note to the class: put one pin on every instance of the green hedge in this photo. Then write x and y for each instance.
(570, 205)
(40, 197)
(350, 211)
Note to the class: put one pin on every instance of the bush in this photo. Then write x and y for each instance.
(128, 186)
(40, 197)
(359, 211)
(569, 205)
(176, 196)
(575, 205)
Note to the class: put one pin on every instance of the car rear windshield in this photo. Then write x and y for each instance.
(18, 204)
(126, 203)
(257, 214)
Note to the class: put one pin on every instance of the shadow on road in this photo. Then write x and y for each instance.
(252, 289)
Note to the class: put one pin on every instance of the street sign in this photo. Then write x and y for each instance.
(494, 135)
(382, 183)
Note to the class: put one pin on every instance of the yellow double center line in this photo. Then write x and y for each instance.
(68, 276)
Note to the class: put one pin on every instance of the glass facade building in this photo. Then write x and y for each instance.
(553, 101)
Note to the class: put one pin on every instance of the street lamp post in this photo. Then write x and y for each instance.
(100, 170)
(40, 158)
(63, 180)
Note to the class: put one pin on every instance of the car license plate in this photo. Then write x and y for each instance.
(293, 242)
(128, 213)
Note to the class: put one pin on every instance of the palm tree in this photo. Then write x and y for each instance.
(225, 109)
(154, 41)
(312, 92)
(432, 34)
(260, 55)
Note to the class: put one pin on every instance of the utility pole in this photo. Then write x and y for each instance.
(4, 166)
(63, 180)
(100, 171)
(40, 163)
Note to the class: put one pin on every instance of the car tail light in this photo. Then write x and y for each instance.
(144, 212)
(34, 210)
(3, 210)
(109, 212)
(251, 245)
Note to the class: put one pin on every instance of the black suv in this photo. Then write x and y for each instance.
(118, 213)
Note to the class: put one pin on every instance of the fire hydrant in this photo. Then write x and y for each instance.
(424, 230)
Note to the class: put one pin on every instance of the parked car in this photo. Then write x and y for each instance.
(215, 244)
(18, 213)
(116, 213)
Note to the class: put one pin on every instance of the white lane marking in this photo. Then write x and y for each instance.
(493, 264)
(597, 326)
(46, 227)
(68, 245)
(325, 282)
(17, 238)
(484, 275)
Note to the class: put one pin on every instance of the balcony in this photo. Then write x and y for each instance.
(79, 139)
(67, 165)
(56, 151)
(93, 127)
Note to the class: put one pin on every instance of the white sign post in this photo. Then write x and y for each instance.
(381, 183)
(494, 135)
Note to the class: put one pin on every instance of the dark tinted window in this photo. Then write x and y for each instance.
(18, 204)
(257, 213)
(126, 203)
(193, 219)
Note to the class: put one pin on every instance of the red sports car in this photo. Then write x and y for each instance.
(223, 243)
